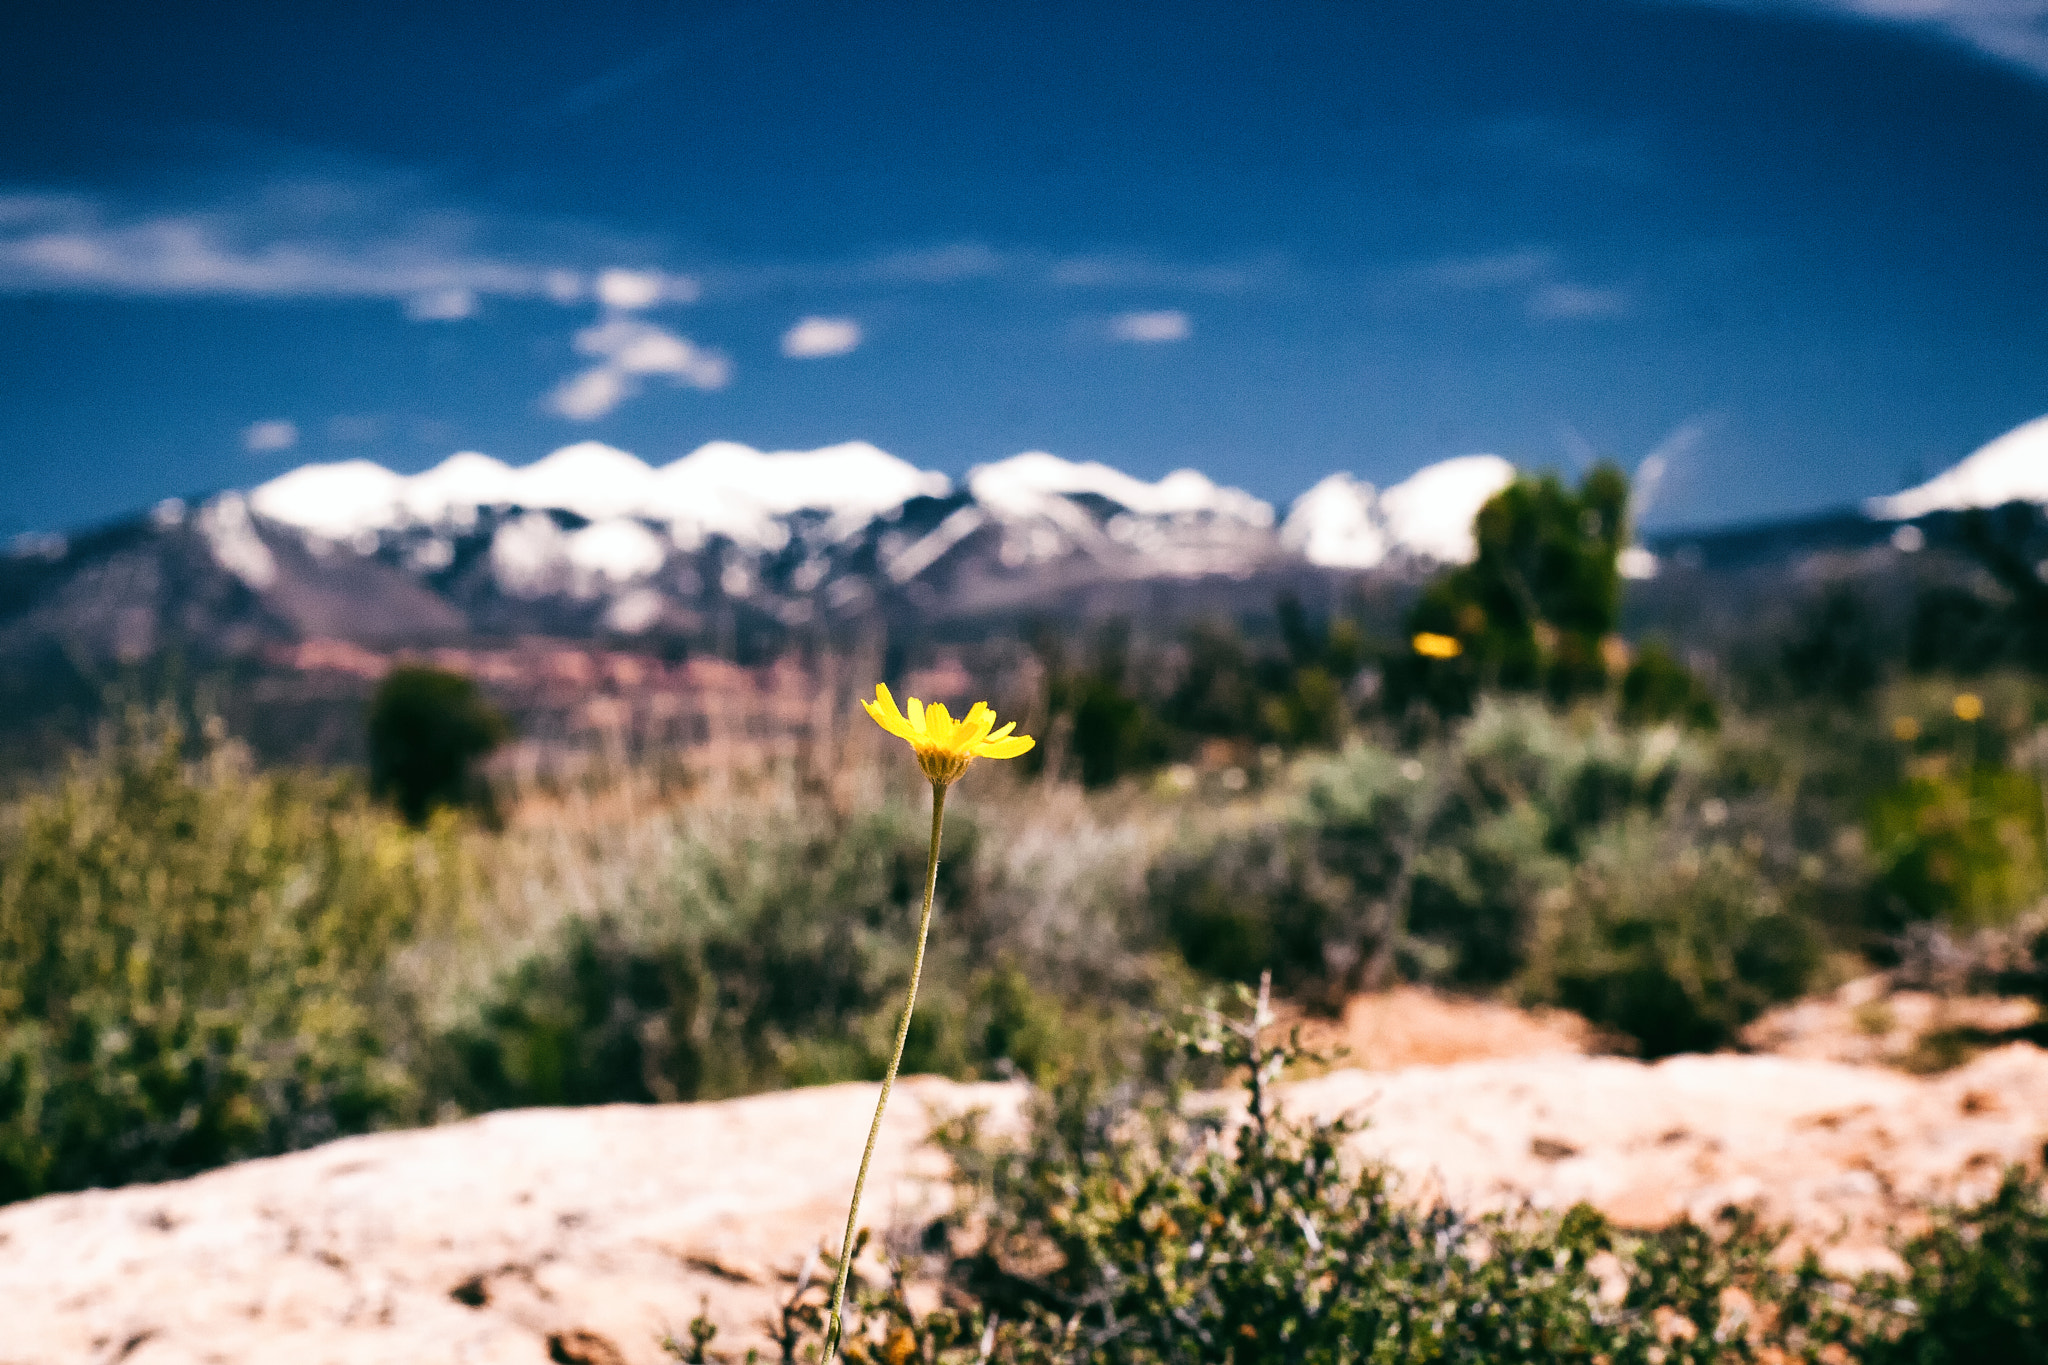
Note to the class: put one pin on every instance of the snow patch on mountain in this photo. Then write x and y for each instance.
(726, 488)
(334, 501)
(236, 547)
(1430, 512)
(1336, 524)
(2013, 468)
(1030, 484)
(532, 556)
(591, 479)
(1345, 523)
(723, 488)
(451, 493)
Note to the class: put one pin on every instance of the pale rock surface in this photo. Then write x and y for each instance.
(600, 1227)
(614, 1222)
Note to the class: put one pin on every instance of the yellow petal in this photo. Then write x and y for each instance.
(974, 727)
(990, 739)
(938, 723)
(917, 720)
(883, 710)
(1005, 748)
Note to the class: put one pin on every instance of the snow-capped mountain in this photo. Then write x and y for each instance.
(730, 545)
(1344, 523)
(790, 532)
(2013, 468)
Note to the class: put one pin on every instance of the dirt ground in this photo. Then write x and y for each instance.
(1411, 1026)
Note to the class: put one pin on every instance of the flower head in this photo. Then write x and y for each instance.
(1431, 645)
(945, 746)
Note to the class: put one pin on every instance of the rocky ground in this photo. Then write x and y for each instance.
(581, 1235)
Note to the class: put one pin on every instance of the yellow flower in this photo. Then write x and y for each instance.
(945, 746)
(1969, 706)
(1430, 645)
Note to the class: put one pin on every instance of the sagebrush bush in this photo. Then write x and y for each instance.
(776, 956)
(195, 964)
(1432, 863)
(1675, 946)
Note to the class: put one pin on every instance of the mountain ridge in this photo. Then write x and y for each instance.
(728, 544)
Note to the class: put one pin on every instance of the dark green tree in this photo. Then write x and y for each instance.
(1533, 608)
(429, 729)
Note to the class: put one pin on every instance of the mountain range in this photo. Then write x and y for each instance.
(729, 544)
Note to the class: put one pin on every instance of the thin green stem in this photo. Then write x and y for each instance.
(924, 924)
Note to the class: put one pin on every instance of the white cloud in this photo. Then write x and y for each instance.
(1166, 324)
(1578, 302)
(2010, 31)
(632, 290)
(629, 349)
(816, 338)
(593, 393)
(260, 438)
(563, 286)
(442, 305)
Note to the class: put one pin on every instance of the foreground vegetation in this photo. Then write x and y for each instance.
(1132, 1232)
(200, 961)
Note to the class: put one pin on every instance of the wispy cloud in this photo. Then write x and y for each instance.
(2010, 31)
(818, 338)
(1576, 302)
(1535, 275)
(628, 350)
(1166, 324)
(1677, 446)
(1495, 270)
(264, 438)
(442, 305)
(438, 263)
(1144, 272)
(960, 263)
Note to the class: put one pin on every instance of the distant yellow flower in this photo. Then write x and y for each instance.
(1430, 645)
(1905, 729)
(945, 746)
(1969, 706)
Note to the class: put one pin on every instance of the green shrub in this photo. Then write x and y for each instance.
(1675, 948)
(195, 965)
(1963, 847)
(1430, 863)
(1978, 1281)
(777, 958)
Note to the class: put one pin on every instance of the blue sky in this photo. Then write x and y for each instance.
(1798, 247)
